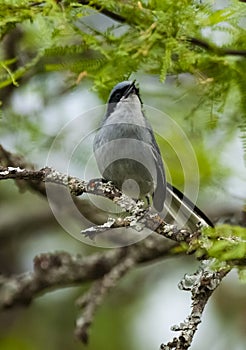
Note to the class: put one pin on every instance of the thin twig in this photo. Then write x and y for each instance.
(90, 301)
(215, 49)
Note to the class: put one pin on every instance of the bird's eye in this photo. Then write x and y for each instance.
(118, 96)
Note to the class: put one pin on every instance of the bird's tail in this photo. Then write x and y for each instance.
(182, 211)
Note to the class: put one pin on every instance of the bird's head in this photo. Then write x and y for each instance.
(122, 91)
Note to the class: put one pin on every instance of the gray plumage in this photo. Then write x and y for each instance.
(126, 150)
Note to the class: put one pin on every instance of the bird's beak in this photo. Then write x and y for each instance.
(132, 89)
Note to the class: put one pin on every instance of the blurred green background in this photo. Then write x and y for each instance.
(72, 85)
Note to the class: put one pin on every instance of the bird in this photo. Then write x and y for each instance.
(127, 154)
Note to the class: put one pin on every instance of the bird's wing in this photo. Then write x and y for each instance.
(159, 194)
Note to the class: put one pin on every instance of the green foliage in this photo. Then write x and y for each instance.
(227, 245)
(147, 37)
(150, 37)
(225, 242)
(8, 77)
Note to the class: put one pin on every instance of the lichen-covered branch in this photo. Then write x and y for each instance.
(201, 285)
(138, 217)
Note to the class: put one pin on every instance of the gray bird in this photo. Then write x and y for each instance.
(128, 155)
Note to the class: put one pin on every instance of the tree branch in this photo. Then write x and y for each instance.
(138, 218)
(104, 10)
(218, 50)
(201, 285)
(94, 298)
(8, 159)
(60, 269)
